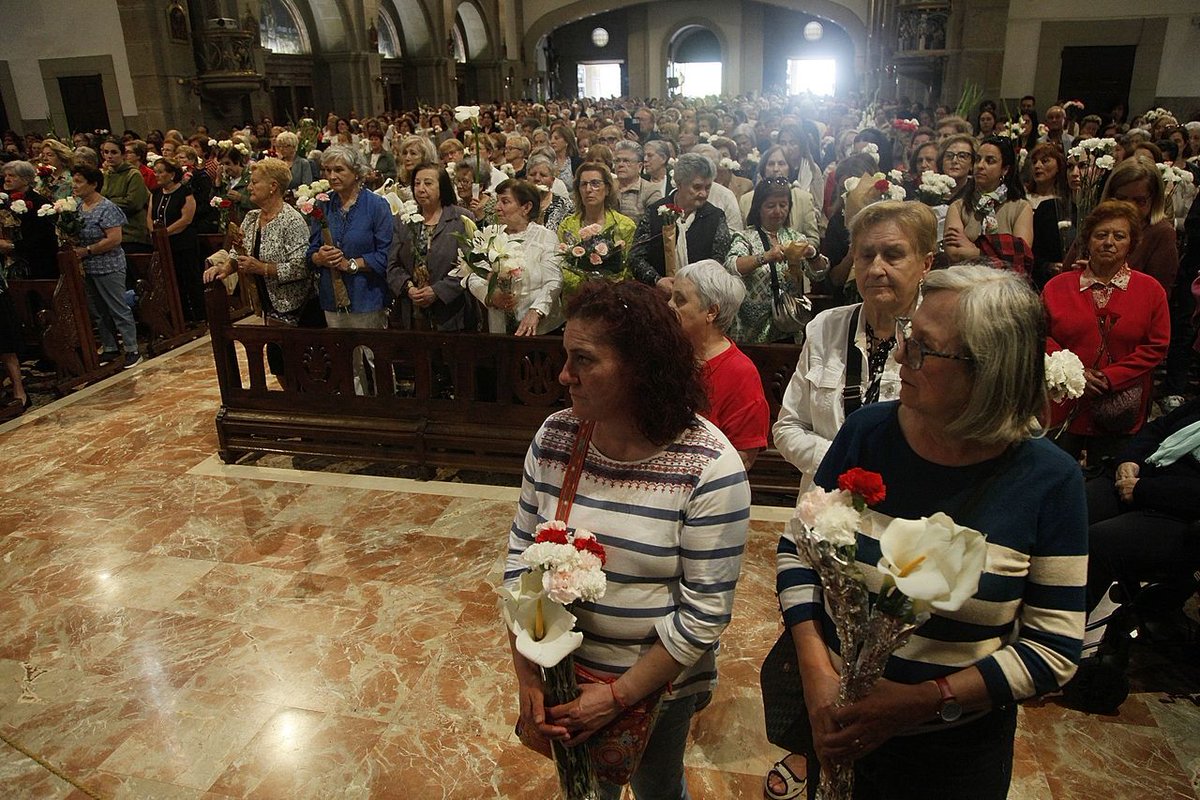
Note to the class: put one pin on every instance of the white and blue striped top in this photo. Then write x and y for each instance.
(1023, 629)
(673, 526)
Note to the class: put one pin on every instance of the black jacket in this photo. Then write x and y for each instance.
(708, 237)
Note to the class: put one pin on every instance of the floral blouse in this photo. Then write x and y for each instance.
(754, 324)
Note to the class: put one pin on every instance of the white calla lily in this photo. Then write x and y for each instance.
(521, 610)
(933, 560)
(466, 113)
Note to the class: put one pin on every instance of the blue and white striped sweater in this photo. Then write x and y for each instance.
(674, 528)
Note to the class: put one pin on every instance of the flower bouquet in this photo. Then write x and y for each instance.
(594, 252)
(491, 254)
(223, 205)
(668, 215)
(68, 222)
(1064, 376)
(888, 186)
(927, 563)
(312, 200)
(564, 568)
(1173, 176)
(1095, 160)
(11, 211)
(935, 189)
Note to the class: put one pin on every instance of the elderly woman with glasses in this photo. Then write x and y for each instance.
(634, 193)
(942, 720)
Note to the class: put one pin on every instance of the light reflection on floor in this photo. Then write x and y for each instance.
(172, 628)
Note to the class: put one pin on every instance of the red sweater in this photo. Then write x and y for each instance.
(1156, 253)
(1137, 340)
(736, 403)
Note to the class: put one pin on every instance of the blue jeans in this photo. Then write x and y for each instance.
(660, 775)
(108, 307)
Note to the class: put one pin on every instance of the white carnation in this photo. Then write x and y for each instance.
(1064, 376)
(837, 523)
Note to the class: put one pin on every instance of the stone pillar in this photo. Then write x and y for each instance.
(637, 64)
(352, 79)
(161, 69)
(434, 84)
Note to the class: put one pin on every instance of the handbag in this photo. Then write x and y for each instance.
(616, 749)
(784, 710)
(789, 313)
(1118, 412)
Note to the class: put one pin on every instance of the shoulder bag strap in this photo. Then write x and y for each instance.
(852, 392)
(774, 273)
(566, 497)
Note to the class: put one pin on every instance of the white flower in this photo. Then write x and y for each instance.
(508, 169)
(394, 203)
(1064, 376)
(933, 560)
(829, 515)
(895, 176)
(851, 183)
(522, 609)
(212, 142)
(896, 192)
(871, 149)
(18, 207)
(46, 211)
(1064, 224)
(730, 164)
(466, 113)
(152, 158)
(1105, 162)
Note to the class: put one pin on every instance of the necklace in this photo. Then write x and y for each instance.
(878, 351)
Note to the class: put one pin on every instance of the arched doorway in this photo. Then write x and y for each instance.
(694, 57)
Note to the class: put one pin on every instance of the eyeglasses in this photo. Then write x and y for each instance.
(592, 184)
(915, 352)
(957, 155)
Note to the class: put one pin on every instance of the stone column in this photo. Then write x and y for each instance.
(161, 68)
(434, 85)
(352, 79)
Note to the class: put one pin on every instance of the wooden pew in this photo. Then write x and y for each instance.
(30, 296)
(469, 401)
(159, 308)
(66, 335)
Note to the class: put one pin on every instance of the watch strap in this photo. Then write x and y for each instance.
(943, 686)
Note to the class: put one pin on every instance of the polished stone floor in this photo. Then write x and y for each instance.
(174, 628)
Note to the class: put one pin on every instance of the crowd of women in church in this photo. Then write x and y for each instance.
(861, 235)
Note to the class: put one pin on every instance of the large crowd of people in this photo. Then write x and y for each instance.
(925, 259)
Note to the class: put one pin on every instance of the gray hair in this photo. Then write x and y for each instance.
(715, 287)
(626, 146)
(481, 171)
(690, 166)
(352, 157)
(287, 138)
(540, 161)
(1002, 325)
(23, 170)
(86, 155)
(659, 146)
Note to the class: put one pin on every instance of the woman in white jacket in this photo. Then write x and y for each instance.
(535, 307)
(846, 361)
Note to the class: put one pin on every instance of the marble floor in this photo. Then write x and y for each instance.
(171, 627)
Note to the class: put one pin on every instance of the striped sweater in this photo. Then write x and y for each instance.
(674, 527)
(1023, 629)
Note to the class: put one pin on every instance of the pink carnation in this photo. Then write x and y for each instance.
(578, 251)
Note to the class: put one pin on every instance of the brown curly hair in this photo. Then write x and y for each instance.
(1113, 209)
(666, 385)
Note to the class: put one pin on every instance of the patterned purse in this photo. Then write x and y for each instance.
(617, 748)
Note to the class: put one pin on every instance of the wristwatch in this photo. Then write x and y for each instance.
(353, 267)
(950, 709)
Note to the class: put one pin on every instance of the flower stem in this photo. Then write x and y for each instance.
(576, 777)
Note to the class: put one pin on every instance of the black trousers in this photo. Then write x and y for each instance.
(968, 762)
(1128, 544)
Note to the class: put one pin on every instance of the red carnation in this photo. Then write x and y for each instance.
(863, 483)
(591, 546)
(553, 535)
(318, 213)
(882, 185)
(226, 203)
(675, 208)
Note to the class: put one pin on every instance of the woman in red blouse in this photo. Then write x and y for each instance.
(1115, 319)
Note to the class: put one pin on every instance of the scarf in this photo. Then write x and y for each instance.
(987, 205)
(1183, 442)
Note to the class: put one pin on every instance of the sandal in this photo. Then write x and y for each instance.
(794, 786)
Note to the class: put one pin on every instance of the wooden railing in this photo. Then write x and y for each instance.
(470, 401)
